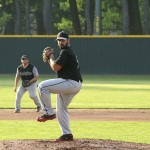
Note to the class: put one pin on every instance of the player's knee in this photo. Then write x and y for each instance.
(39, 88)
(40, 85)
(42, 90)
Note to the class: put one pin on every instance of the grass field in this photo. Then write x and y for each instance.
(138, 132)
(97, 92)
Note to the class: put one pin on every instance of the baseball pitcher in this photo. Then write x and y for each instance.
(66, 86)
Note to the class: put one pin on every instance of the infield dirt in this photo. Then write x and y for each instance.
(78, 144)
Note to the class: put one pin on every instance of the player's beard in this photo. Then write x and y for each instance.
(63, 46)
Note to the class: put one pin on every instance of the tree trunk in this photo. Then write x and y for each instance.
(47, 16)
(135, 27)
(87, 18)
(40, 22)
(92, 14)
(75, 17)
(146, 16)
(28, 29)
(18, 18)
(39, 18)
(125, 17)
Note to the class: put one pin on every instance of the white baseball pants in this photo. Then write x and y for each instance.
(65, 90)
(32, 93)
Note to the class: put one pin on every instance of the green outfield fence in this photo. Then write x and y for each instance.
(97, 54)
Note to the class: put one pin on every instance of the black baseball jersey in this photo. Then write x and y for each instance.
(70, 65)
(25, 73)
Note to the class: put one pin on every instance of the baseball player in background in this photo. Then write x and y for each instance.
(29, 76)
(66, 85)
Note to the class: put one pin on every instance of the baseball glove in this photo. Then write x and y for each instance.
(26, 83)
(47, 52)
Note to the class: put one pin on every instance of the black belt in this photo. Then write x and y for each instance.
(75, 80)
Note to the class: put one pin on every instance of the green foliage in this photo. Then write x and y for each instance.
(141, 8)
(111, 15)
(64, 5)
(65, 24)
(63, 19)
(4, 18)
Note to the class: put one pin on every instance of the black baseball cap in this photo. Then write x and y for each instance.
(24, 57)
(62, 36)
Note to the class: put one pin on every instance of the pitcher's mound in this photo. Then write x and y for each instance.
(77, 144)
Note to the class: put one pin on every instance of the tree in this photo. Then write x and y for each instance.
(47, 16)
(89, 16)
(28, 17)
(146, 16)
(131, 17)
(4, 17)
(125, 17)
(18, 18)
(135, 26)
(38, 13)
(3, 20)
(75, 16)
(9, 8)
(111, 17)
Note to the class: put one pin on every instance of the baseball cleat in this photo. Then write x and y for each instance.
(46, 117)
(38, 109)
(66, 137)
(17, 111)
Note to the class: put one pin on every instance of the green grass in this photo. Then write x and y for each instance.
(97, 92)
(138, 132)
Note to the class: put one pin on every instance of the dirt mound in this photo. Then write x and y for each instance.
(78, 144)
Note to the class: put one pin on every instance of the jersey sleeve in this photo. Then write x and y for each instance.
(35, 71)
(17, 73)
(62, 59)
